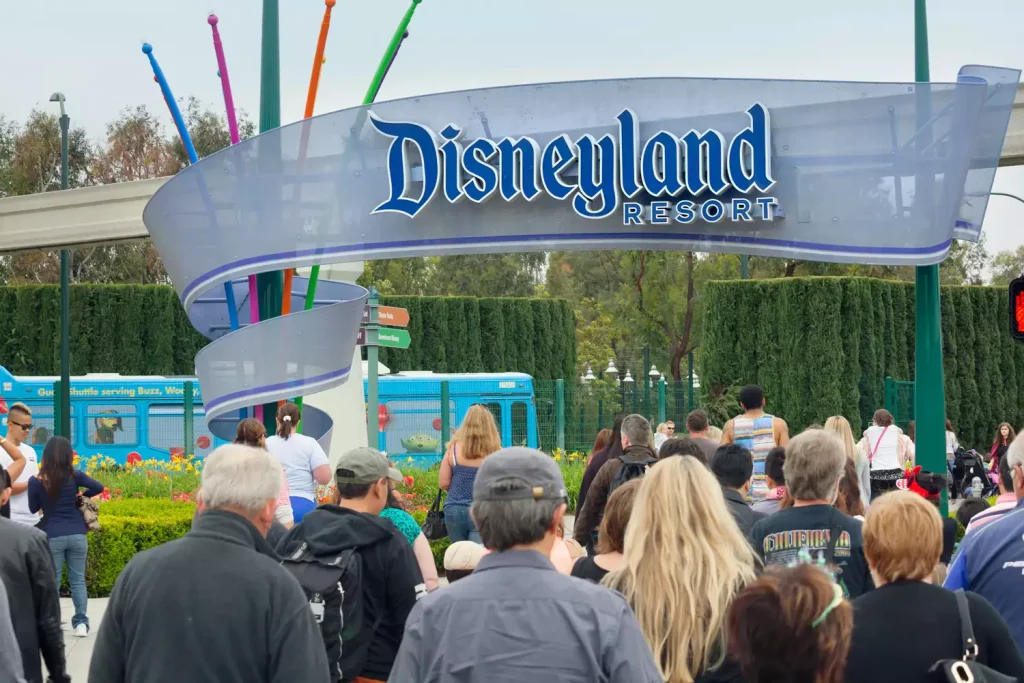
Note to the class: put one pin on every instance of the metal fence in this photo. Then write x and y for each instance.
(899, 400)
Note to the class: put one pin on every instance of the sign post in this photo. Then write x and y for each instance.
(369, 333)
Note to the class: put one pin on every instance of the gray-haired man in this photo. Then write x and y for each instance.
(515, 616)
(214, 606)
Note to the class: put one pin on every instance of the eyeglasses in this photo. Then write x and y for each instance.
(18, 424)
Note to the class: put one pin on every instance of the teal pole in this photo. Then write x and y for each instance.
(929, 387)
(188, 413)
(689, 362)
(560, 413)
(661, 401)
(58, 411)
(446, 426)
(269, 286)
(744, 267)
(63, 425)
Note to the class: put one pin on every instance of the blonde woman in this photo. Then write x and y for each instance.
(684, 561)
(838, 425)
(475, 439)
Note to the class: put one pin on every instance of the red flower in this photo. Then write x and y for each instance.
(134, 458)
(408, 481)
(437, 424)
(203, 442)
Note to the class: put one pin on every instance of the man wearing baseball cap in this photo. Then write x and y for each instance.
(515, 617)
(388, 579)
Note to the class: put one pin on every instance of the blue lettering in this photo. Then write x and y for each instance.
(659, 212)
(741, 210)
(558, 154)
(629, 134)
(524, 177)
(483, 177)
(632, 213)
(712, 217)
(451, 151)
(684, 211)
(755, 137)
(671, 181)
(398, 169)
(766, 204)
(598, 166)
(700, 175)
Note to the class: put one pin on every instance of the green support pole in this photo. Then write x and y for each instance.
(662, 413)
(65, 294)
(645, 400)
(269, 286)
(372, 395)
(930, 398)
(689, 363)
(744, 267)
(58, 413)
(446, 425)
(560, 413)
(188, 413)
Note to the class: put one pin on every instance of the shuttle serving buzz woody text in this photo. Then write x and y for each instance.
(598, 176)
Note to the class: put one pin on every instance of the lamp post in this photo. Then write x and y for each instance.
(65, 295)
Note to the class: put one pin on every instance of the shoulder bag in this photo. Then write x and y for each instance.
(434, 527)
(967, 669)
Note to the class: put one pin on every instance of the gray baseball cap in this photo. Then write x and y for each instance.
(368, 465)
(540, 475)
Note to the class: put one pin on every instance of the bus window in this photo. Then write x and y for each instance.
(112, 424)
(495, 409)
(165, 428)
(520, 430)
(42, 423)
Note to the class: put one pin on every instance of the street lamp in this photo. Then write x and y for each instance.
(654, 374)
(589, 377)
(628, 379)
(65, 295)
(612, 371)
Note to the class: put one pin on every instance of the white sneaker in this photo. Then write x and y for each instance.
(81, 631)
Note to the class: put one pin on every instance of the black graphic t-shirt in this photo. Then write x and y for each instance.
(779, 538)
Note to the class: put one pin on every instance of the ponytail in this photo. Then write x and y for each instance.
(288, 417)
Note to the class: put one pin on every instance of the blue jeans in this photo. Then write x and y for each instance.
(460, 524)
(73, 549)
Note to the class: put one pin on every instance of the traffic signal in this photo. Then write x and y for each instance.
(1017, 309)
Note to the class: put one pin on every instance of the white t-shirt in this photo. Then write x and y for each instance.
(885, 444)
(299, 456)
(19, 503)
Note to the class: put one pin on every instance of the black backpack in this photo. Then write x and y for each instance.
(631, 469)
(334, 588)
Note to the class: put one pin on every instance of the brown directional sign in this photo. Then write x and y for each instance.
(387, 315)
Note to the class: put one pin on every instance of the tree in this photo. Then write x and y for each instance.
(208, 129)
(1008, 265)
(35, 162)
(466, 275)
(136, 149)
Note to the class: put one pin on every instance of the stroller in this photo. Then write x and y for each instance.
(966, 466)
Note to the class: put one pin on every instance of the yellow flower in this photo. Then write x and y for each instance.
(558, 457)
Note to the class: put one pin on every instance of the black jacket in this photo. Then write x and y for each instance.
(741, 510)
(26, 568)
(391, 577)
(214, 606)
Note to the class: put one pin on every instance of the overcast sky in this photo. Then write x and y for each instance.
(90, 50)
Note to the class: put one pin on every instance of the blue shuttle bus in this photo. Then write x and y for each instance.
(114, 415)
(411, 407)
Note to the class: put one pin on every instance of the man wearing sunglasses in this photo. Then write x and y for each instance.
(19, 427)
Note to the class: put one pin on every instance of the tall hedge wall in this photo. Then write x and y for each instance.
(135, 329)
(823, 346)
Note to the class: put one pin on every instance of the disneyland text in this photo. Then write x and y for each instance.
(599, 176)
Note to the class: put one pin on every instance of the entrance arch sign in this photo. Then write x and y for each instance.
(826, 171)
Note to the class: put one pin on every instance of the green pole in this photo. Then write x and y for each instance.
(65, 293)
(661, 401)
(744, 267)
(269, 286)
(930, 398)
(188, 413)
(689, 363)
(371, 94)
(372, 395)
(58, 412)
(560, 413)
(446, 426)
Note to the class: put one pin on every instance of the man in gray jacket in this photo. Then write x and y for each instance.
(28, 579)
(515, 618)
(214, 606)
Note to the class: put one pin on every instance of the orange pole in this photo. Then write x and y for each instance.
(314, 83)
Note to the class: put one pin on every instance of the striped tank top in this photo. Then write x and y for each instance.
(757, 435)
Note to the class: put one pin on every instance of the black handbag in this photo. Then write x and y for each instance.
(434, 527)
(968, 669)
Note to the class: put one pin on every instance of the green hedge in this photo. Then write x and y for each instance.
(143, 330)
(823, 346)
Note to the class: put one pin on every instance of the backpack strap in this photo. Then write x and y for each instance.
(834, 532)
(970, 645)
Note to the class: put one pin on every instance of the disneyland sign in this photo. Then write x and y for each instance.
(699, 175)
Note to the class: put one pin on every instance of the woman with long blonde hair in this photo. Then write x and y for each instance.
(475, 439)
(684, 561)
(838, 425)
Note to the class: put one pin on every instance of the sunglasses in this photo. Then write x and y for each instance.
(18, 424)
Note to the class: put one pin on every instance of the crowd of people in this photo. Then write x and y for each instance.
(748, 556)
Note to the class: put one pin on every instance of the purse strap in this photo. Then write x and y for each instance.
(970, 645)
(436, 507)
(878, 443)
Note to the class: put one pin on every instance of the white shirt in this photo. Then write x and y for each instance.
(299, 456)
(886, 453)
(951, 445)
(19, 502)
